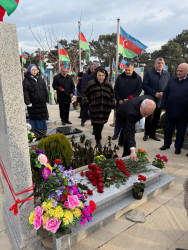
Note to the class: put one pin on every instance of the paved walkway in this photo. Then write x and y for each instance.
(166, 226)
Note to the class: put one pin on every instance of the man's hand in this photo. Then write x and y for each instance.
(125, 100)
(158, 95)
(120, 102)
(71, 95)
(133, 155)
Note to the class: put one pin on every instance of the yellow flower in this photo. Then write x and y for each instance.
(33, 135)
(81, 204)
(57, 212)
(68, 215)
(48, 205)
(98, 156)
(31, 217)
(45, 217)
(48, 166)
(101, 155)
(77, 212)
(28, 140)
(65, 221)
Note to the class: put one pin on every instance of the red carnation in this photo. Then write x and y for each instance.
(60, 88)
(94, 183)
(85, 196)
(93, 206)
(82, 173)
(130, 97)
(112, 177)
(100, 185)
(141, 177)
(100, 190)
(33, 148)
(57, 161)
(89, 192)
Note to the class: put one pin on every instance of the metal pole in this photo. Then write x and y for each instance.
(79, 24)
(117, 47)
(39, 57)
(58, 57)
(22, 66)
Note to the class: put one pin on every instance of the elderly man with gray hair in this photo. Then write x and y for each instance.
(128, 114)
(154, 83)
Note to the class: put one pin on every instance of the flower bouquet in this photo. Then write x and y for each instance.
(31, 137)
(159, 161)
(63, 198)
(75, 104)
(138, 187)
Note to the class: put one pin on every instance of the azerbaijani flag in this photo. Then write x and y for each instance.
(24, 56)
(107, 69)
(41, 65)
(129, 46)
(64, 63)
(63, 56)
(9, 6)
(122, 64)
(84, 45)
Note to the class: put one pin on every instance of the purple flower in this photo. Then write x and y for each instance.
(58, 192)
(54, 203)
(46, 172)
(54, 174)
(51, 196)
(61, 168)
(39, 151)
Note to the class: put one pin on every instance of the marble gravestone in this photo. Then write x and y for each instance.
(14, 150)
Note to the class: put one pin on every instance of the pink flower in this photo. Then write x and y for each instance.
(46, 172)
(43, 159)
(53, 224)
(72, 202)
(38, 222)
(39, 211)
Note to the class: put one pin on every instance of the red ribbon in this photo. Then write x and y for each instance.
(30, 189)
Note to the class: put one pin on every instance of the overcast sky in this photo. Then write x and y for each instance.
(151, 22)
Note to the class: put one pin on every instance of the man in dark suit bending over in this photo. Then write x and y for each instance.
(128, 114)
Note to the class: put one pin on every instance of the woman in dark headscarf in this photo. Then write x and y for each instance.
(99, 96)
(35, 97)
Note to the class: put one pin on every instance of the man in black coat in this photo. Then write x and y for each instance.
(175, 103)
(128, 85)
(128, 114)
(154, 83)
(64, 85)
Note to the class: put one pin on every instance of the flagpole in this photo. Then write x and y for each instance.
(58, 57)
(117, 48)
(39, 57)
(79, 24)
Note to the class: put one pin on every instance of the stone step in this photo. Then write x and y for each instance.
(113, 203)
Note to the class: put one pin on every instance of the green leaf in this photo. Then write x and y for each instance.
(117, 185)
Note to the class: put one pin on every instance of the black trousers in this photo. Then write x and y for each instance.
(170, 124)
(64, 111)
(152, 122)
(97, 129)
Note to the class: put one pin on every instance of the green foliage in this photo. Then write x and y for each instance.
(57, 146)
(138, 186)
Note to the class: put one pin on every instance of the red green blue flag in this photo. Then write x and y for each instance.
(84, 45)
(24, 56)
(122, 64)
(8, 6)
(107, 69)
(129, 46)
(41, 63)
(63, 55)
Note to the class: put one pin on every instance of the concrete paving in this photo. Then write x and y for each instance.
(166, 225)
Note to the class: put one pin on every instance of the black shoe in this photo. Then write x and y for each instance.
(145, 138)
(120, 144)
(82, 124)
(155, 138)
(114, 137)
(93, 133)
(63, 123)
(187, 155)
(79, 117)
(177, 151)
(68, 122)
(164, 147)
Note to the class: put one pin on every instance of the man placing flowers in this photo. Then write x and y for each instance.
(128, 114)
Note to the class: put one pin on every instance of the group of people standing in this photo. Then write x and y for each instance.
(96, 94)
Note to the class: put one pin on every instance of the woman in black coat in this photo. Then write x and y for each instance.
(35, 97)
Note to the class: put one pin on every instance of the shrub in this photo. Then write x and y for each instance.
(57, 146)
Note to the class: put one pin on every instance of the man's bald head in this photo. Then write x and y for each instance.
(182, 70)
(147, 107)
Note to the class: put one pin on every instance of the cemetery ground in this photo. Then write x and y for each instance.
(166, 225)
